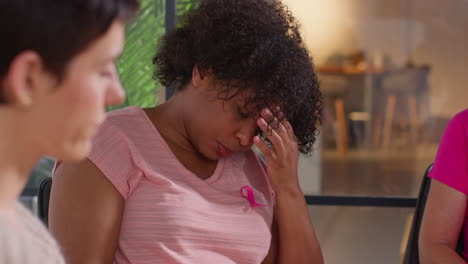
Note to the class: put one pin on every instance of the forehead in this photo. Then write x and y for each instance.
(247, 98)
(107, 46)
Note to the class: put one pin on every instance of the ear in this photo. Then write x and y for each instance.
(197, 76)
(200, 77)
(25, 76)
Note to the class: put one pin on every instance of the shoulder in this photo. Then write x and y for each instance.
(457, 127)
(461, 118)
(35, 227)
(126, 118)
(129, 125)
(27, 241)
(10, 243)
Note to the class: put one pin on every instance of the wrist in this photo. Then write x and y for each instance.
(293, 190)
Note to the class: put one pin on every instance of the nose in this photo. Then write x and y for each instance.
(246, 133)
(115, 93)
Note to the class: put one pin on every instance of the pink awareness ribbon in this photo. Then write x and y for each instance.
(248, 194)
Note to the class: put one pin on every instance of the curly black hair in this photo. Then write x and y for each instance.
(247, 43)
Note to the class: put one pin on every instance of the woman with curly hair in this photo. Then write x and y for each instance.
(179, 183)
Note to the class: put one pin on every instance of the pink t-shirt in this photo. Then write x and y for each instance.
(170, 214)
(451, 163)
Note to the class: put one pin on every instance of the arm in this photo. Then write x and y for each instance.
(85, 213)
(296, 239)
(442, 222)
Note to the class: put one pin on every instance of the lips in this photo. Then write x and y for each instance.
(223, 151)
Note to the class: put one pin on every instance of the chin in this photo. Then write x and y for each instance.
(76, 151)
(210, 155)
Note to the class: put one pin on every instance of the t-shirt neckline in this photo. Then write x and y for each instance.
(178, 165)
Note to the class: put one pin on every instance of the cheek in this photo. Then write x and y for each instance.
(88, 94)
(213, 119)
(82, 108)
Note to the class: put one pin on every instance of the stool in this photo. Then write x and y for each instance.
(334, 87)
(397, 86)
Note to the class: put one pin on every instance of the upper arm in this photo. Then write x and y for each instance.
(443, 216)
(446, 204)
(85, 213)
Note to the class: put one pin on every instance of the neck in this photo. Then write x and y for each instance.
(17, 158)
(174, 130)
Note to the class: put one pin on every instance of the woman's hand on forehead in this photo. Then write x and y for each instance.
(282, 154)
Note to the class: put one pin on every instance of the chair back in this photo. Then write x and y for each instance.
(412, 248)
(43, 198)
(405, 80)
(333, 85)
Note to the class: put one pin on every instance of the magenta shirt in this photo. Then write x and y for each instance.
(171, 215)
(451, 163)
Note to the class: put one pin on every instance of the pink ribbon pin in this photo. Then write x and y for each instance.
(250, 196)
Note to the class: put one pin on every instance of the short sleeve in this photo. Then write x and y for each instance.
(451, 163)
(112, 153)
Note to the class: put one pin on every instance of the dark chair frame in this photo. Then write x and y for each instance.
(43, 198)
(412, 248)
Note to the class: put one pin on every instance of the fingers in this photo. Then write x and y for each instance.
(277, 129)
(274, 120)
(283, 148)
(270, 133)
(283, 123)
(289, 130)
(263, 147)
(270, 118)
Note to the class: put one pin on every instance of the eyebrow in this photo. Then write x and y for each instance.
(114, 57)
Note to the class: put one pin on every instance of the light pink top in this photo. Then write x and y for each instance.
(25, 240)
(173, 216)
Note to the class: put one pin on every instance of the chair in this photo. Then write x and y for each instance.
(412, 249)
(334, 87)
(43, 198)
(400, 85)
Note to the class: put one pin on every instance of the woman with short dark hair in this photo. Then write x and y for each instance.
(57, 74)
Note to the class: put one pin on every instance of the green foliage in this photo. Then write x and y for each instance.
(135, 66)
(182, 6)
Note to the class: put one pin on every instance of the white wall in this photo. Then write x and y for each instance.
(429, 31)
(310, 170)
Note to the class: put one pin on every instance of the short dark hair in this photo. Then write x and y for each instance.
(56, 29)
(247, 43)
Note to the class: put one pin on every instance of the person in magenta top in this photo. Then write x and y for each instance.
(180, 183)
(445, 212)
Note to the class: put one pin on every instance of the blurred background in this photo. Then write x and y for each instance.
(392, 74)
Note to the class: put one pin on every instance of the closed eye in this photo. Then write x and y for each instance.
(242, 114)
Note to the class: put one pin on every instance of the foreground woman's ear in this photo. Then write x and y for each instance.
(25, 77)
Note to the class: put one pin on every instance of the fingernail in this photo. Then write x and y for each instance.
(261, 122)
(266, 111)
(256, 139)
